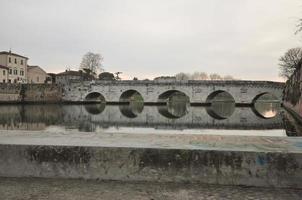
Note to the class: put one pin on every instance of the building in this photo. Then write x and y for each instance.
(36, 74)
(3, 74)
(17, 67)
(51, 78)
(64, 78)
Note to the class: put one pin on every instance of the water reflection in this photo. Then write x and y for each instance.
(133, 109)
(96, 117)
(95, 109)
(266, 109)
(173, 110)
(266, 105)
(222, 105)
(221, 110)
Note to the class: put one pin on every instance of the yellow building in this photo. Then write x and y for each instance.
(17, 67)
(36, 74)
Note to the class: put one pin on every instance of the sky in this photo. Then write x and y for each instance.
(149, 38)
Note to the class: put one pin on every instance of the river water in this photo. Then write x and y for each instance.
(221, 118)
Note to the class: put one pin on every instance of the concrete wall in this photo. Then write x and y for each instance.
(47, 93)
(292, 98)
(161, 165)
(10, 92)
(14, 93)
(198, 91)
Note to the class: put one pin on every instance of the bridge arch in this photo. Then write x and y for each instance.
(263, 94)
(220, 95)
(222, 105)
(95, 97)
(176, 104)
(130, 96)
(265, 105)
(165, 97)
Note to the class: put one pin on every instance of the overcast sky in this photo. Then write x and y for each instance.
(148, 38)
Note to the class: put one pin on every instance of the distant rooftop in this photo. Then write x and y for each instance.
(10, 53)
(29, 67)
(70, 72)
(76, 73)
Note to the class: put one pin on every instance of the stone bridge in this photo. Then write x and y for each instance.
(198, 92)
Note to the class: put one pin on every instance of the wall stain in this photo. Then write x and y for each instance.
(57, 154)
(180, 159)
(283, 162)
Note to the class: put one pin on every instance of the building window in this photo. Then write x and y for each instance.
(22, 73)
(9, 59)
(3, 72)
(10, 71)
(21, 62)
(9, 81)
(3, 80)
(15, 60)
(15, 72)
(37, 79)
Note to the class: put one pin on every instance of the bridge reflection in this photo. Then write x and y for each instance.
(217, 116)
(174, 116)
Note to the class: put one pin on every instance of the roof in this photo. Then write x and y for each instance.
(3, 67)
(29, 67)
(76, 73)
(10, 53)
(69, 73)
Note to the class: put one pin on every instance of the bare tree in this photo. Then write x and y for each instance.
(202, 76)
(182, 76)
(299, 26)
(290, 61)
(228, 77)
(215, 77)
(199, 76)
(92, 63)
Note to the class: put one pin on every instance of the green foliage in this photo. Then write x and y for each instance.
(106, 76)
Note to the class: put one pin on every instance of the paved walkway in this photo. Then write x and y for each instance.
(159, 141)
(58, 189)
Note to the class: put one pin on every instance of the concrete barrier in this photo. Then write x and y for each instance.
(277, 162)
